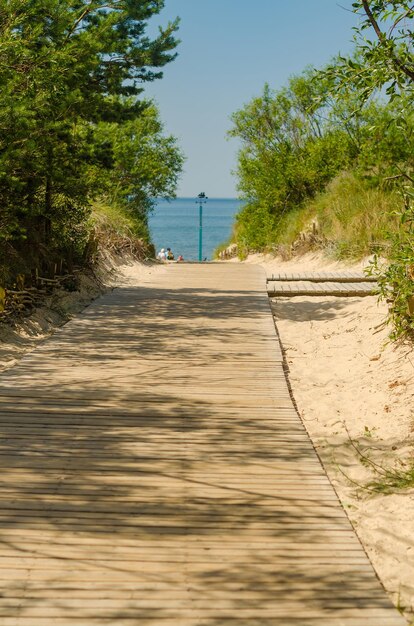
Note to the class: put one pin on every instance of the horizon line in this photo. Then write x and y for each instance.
(196, 197)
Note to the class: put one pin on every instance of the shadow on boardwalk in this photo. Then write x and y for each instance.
(148, 474)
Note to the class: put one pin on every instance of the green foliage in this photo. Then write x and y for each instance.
(386, 64)
(396, 280)
(385, 58)
(386, 478)
(255, 228)
(288, 151)
(353, 116)
(71, 73)
(295, 142)
(391, 480)
(144, 163)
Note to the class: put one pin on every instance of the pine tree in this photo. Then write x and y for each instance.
(65, 67)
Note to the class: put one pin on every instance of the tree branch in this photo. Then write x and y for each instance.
(92, 7)
(373, 21)
(402, 17)
(384, 41)
(78, 21)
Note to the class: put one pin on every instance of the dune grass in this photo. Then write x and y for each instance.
(353, 218)
(119, 219)
(118, 230)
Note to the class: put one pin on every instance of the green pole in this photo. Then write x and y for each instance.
(200, 235)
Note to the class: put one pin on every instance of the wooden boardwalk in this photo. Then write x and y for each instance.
(345, 283)
(321, 277)
(155, 473)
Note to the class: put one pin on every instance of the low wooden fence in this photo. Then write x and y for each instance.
(27, 290)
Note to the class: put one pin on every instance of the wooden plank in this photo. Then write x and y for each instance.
(318, 277)
(327, 620)
(182, 607)
(322, 289)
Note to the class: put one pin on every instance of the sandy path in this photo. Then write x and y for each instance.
(345, 377)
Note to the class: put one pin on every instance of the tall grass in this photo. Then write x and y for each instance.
(119, 220)
(119, 231)
(353, 218)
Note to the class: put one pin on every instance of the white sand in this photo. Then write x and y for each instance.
(344, 374)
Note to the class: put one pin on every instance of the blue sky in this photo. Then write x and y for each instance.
(228, 50)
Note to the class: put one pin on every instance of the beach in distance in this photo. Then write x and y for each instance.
(175, 224)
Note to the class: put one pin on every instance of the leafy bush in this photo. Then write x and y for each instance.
(396, 278)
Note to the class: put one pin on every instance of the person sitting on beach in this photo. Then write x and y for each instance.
(180, 258)
(170, 255)
(161, 256)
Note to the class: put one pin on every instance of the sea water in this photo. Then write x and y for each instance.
(175, 224)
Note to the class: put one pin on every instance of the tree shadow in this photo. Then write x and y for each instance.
(305, 309)
(154, 471)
